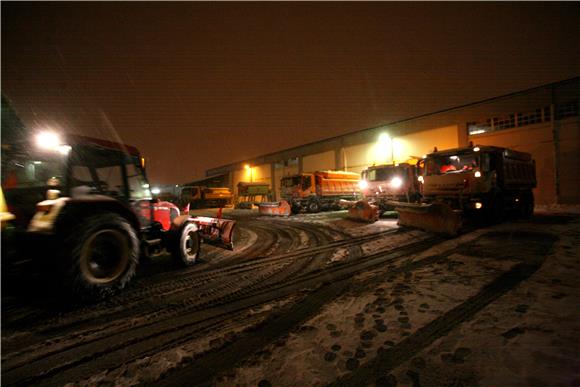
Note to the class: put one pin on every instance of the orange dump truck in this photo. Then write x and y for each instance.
(319, 190)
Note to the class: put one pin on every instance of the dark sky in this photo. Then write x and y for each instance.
(198, 85)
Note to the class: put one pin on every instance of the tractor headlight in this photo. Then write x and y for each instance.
(363, 184)
(396, 182)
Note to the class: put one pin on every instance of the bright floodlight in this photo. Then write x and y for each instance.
(155, 191)
(48, 140)
(363, 184)
(396, 182)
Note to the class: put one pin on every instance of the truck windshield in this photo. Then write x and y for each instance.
(291, 181)
(383, 174)
(441, 165)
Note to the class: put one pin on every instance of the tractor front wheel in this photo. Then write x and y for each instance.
(186, 245)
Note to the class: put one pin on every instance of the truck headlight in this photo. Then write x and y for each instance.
(396, 182)
(363, 184)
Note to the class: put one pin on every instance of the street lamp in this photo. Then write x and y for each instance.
(248, 168)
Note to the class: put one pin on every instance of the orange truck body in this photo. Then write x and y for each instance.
(319, 190)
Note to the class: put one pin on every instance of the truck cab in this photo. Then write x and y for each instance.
(478, 177)
(390, 182)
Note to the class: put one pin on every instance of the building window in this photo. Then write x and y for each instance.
(508, 121)
(565, 110)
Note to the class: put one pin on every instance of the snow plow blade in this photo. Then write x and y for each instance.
(437, 217)
(216, 232)
(281, 208)
(363, 211)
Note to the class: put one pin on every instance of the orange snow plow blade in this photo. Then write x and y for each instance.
(437, 217)
(363, 211)
(217, 232)
(281, 208)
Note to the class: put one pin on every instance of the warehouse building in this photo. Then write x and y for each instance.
(543, 121)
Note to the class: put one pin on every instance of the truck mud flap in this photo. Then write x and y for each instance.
(281, 208)
(363, 211)
(439, 218)
(216, 232)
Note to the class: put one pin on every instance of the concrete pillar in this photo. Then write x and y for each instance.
(338, 159)
(273, 180)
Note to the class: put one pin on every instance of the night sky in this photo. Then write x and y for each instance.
(198, 85)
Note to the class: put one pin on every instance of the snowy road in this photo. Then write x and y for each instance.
(316, 300)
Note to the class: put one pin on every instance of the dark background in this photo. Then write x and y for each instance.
(198, 85)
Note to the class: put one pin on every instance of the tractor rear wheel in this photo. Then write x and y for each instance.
(186, 245)
(100, 257)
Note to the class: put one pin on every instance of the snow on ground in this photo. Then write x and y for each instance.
(528, 336)
(150, 369)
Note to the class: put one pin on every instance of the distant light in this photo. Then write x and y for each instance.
(176, 185)
(247, 166)
(145, 185)
(479, 131)
(37, 162)
(363, 184)
(453, 157)
(477, 174)
(420, 178)
(478, 205)
(155, 191)
(476, 149)
(424, 156)
(48, 140)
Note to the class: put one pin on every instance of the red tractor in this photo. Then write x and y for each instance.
(87, 204)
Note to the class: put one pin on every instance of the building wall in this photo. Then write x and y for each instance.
(558, 162)
(318, 161)
(255, 174)
(569, 160)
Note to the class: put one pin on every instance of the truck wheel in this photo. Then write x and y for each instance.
(101, 257)
(186, 246)
(313, 207)
(295, 209)
(495, 209)
(527, 207)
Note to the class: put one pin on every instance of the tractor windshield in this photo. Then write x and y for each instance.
(96, 170)
(444, 164)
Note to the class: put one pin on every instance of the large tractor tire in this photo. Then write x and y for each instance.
(100, 257)
(186, 245)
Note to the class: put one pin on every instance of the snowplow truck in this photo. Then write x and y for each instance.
(83, 207)
(205, 197)
(382, 184)
(320, 190)
(475, 181)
